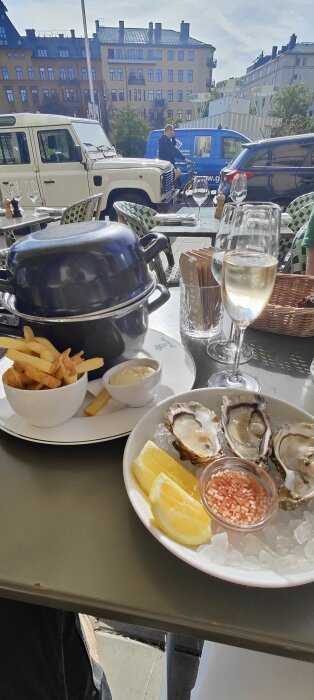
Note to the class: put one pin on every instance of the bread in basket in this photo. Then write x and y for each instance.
(282, 314)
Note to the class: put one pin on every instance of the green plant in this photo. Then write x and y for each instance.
(129, 132)
(292, 105)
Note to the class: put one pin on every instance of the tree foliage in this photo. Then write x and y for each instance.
(129, 132)
(292, 105)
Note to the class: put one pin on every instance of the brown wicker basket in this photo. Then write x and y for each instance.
(282, 315)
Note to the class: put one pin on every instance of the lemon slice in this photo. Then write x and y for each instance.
(177, 514)
(152, 460)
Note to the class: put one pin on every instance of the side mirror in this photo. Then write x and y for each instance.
(78, 153)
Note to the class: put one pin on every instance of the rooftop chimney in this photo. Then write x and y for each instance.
(274, 51)
(30, 33)
(97, 25)
(61, 36)
(184, 30)
(158, 27)
(150, 32)
(292, 41)
(72, 33)
(121, 30)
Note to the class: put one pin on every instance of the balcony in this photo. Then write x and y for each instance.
(211, 63)
(70, 81)
(133, 80)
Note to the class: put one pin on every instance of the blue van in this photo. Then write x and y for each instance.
(209, 149)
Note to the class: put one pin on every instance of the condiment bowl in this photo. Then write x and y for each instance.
(239, 494)
(47, 408)
(139, 393)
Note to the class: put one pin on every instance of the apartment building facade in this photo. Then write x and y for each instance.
(155, 70)
(44, 72)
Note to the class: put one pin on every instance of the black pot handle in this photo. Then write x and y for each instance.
(6, 281)
(160, 300)
(152, 244)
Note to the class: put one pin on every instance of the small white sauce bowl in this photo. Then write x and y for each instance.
(47, 408)
(137, 394)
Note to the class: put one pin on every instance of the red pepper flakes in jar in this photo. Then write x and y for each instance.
(236, 497)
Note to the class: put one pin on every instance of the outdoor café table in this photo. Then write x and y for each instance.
(28, 219)
(71, 539)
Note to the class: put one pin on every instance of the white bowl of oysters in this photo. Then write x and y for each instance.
(201, 425)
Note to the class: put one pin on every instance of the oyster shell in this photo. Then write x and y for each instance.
(195, 429)
(246, 426)
(293, 448)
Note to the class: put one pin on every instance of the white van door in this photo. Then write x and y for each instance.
(17, 165)
(63, 180)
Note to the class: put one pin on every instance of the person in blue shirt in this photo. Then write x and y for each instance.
(168, 150)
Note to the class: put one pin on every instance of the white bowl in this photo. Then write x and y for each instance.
(138, 394)
(47, 408)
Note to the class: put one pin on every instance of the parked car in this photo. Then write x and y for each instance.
(278, 170)
(209, 149)
(71, 159)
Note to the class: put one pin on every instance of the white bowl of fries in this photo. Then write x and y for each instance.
(43, 385)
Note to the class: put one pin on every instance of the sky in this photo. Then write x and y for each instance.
(239, 29)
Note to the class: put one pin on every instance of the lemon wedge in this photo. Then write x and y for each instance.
(152, 460)
(177, 514)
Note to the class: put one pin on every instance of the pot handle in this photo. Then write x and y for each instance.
(6, 281)
(160, 300)
(151, 244)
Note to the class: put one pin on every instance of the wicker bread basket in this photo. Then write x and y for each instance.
(282, 315)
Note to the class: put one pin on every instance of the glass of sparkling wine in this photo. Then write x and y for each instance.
(200, 193)
(32, 191)
(248, 277)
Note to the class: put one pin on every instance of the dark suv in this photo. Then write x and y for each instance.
(278, 170)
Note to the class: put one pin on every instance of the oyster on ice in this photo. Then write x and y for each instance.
(195, 429)
(246, 426)
(293, 448)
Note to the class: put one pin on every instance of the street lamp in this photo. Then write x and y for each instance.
(93, 106)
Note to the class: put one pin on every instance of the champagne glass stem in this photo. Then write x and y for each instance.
(199, 214)
(232, 332)
(234, 376)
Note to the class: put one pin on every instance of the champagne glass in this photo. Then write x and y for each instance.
(15, 190)
(248, 277)
(200, 193)
(238, 189)
(224, 350)
(32, 191)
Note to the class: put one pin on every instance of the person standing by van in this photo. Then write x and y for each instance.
(167, 149)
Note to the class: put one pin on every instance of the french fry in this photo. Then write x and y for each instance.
(78, 357)
(97, 403)
(36, 347)
(13, 343)
(40, 377)
(28, 333)
(49, 345)
(47, 355)
(18, 356)
(67, 377)
(89, 365)
(37, 386)
(12, 378)
(68, 364)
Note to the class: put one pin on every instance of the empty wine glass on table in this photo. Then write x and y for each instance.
(200, 193)
(224, 350)
(32, 192)
(238, 189)
(248, 277)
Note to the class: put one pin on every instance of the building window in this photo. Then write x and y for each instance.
(42, 74)
(170, 96)
(51, 75)
(150, 53)
(10, 96)
(31, 74)
(94, 73)
(64, 53)
(121, 95)
(180, 96)
(158, 55)
(5, 73)
(34, 92)
(140, 72)
(69, 94)
(63, 74)
(297, 60)
(170, 55)
(191, 55)
(188, 115)
(151, 115)
(179, 115)
(83, 53)
(45, 94)
(150, 95)
(23, 94)
(3, 36)
(84, 74)
(120, 73)
(188, 93)
(158, 94)
(304, 61)
(170, 76)
(42, 53)
(113, 95)
(180, 55)
(19, 73)
(131, 54)
(180, 76)
(170, 113)
(139, 54)
(190, 76)
(118, 53)
(150, 75)
(70, 73)
(158, 75)
(112, 74)
(110, 53)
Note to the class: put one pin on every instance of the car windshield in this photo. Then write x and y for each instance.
(93, 137)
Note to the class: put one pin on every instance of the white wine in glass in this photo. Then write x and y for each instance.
(200, 193)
